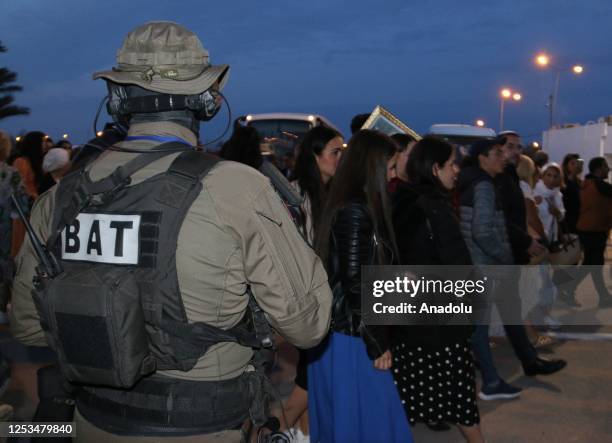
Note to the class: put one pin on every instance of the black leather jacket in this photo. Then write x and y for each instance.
(353, 244)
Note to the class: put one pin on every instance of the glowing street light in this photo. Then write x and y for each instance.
(65, 136)
(506, 94)
(544, 61)
(100, 133)
(480, 123)
(17, 139)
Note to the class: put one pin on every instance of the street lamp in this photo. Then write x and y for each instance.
(506, 94)
(480, 123)
(577, 69)
(543, 61)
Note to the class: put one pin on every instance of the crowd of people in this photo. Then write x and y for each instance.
(380, 200)
(393, 200)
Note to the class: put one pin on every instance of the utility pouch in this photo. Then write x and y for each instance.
(94, 319)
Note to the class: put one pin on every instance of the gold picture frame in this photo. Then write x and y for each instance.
(383, 121)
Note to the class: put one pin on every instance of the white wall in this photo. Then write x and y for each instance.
(589, 141)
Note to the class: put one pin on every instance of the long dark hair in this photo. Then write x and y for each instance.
(243, 147)
(30, 147)
(568, 158)
(362, 176)
(307, 171)
(428, 152)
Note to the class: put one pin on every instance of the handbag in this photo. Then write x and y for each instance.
(537, 259)
(566, 249)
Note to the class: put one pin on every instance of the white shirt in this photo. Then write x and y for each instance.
(550, 198)
(527, 190)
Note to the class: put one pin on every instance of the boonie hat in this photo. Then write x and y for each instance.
(165, 57)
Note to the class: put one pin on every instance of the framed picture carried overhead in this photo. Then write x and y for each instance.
(382, 120)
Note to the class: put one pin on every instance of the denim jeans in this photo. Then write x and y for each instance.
(508, 303)
(482, 352)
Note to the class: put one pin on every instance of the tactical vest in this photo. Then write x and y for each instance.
(115, 314)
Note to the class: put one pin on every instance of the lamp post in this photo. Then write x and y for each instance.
(506, 94)
(544, 61)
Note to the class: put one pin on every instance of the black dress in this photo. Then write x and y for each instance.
(436, 383)
(433, 366)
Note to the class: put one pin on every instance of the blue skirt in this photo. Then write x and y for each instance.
(350, 401)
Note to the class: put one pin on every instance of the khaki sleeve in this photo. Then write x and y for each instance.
(24, 321)
(286, 276)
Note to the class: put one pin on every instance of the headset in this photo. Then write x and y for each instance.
(205, 106)
(125, 100)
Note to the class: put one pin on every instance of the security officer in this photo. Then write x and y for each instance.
(233, 239)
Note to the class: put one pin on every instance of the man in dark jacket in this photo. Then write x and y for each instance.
(513, 202)
(523, 246)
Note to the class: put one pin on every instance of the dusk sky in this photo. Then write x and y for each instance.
(427, 62)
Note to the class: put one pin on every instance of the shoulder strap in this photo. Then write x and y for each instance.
(193, 165)
(68, 206)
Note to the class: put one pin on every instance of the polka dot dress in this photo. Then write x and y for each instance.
(436, 384)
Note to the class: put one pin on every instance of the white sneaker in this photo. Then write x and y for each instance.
(301, 438)
(296, 436)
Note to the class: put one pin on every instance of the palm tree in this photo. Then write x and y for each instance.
(7, 108)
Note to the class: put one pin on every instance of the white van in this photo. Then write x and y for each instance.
(461, 135)
(281, 132)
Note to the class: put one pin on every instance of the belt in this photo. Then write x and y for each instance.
(165, 406)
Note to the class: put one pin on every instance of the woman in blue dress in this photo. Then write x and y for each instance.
(352, 397)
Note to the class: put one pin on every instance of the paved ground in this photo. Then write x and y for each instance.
(574, 405)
